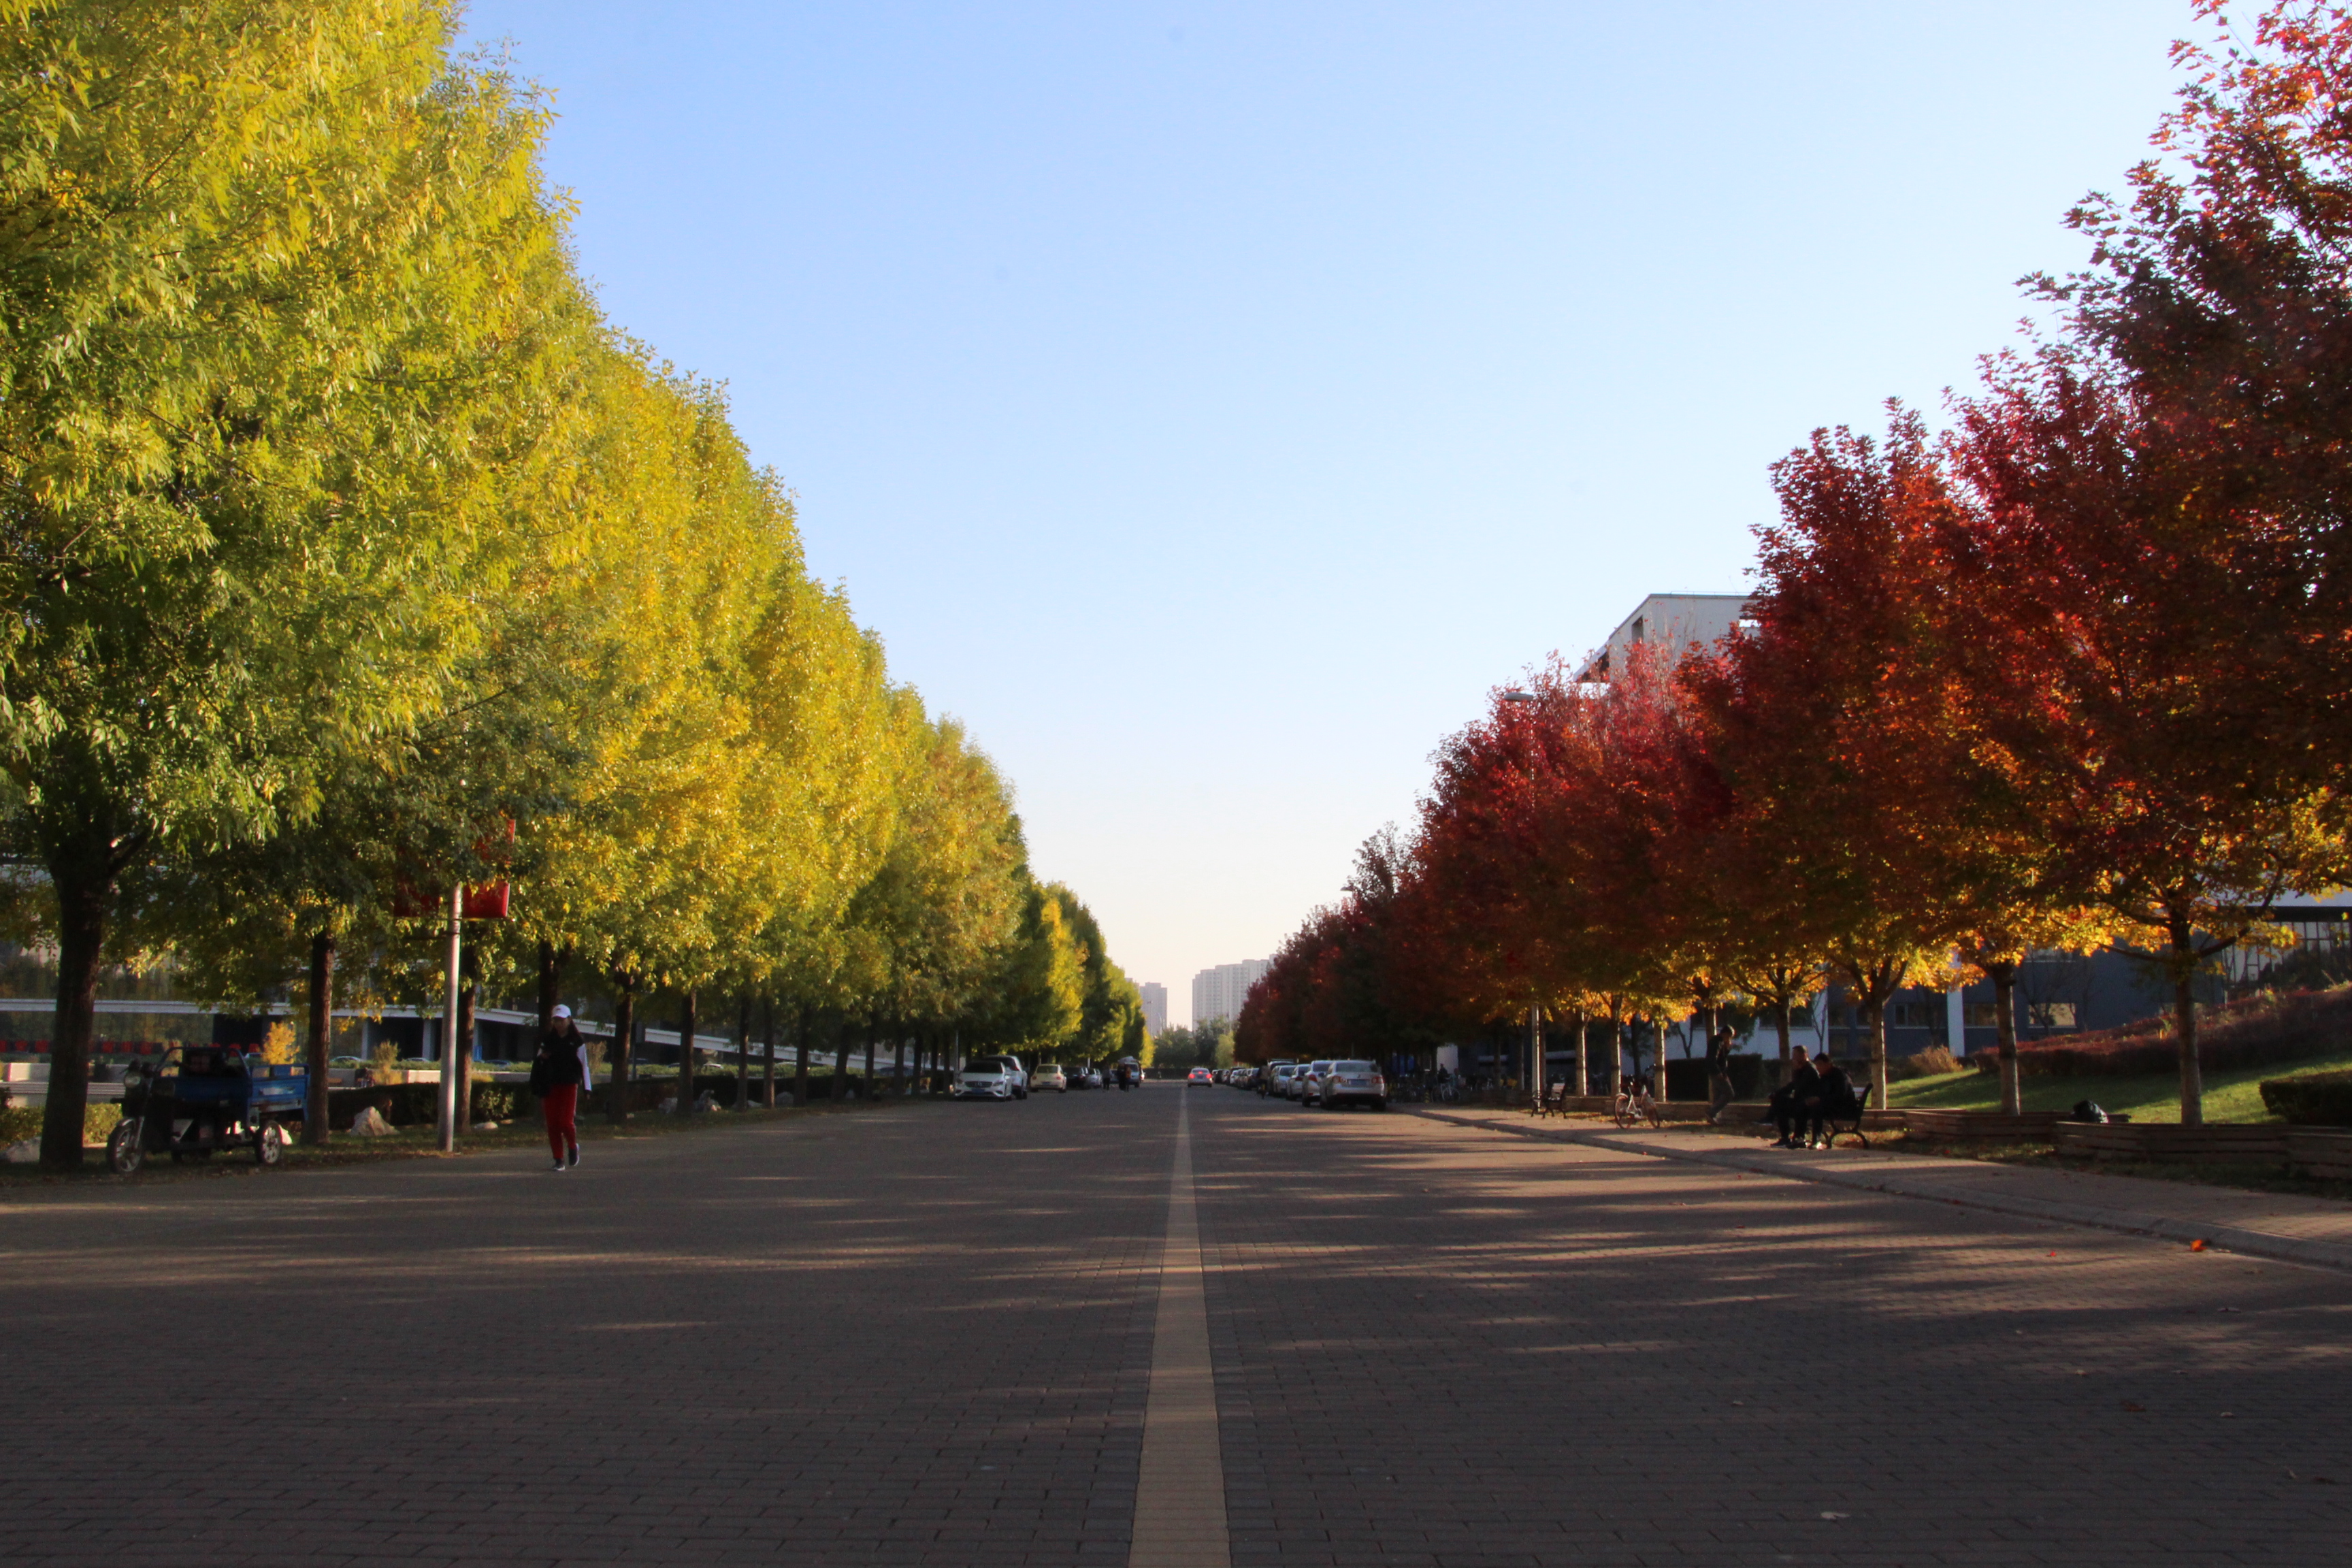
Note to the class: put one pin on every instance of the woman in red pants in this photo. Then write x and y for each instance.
(559, 1076)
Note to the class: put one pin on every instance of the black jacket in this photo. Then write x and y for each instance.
(556, 1060)
(1837, 1090)
(1804, 1086)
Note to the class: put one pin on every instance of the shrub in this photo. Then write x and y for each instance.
(18, 1122)
(2273, 1026)
(2315, 1099)
(1930, 1063)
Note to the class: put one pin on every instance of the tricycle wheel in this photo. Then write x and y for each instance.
(123, 1150)
(269, 1144)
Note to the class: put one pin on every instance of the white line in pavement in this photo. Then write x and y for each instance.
(1180, 1495)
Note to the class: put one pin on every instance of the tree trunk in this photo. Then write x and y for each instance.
(686, 1029)
(81, 936)
(624, 1023)
(551, 987)
(841, 1065)
(2183, 963)
(1583, 1075)
(743, 1052)
(801, 1055)
(462, 1064)
(769, 1019)
(322, 1037)
(1781, 1028)
(1873, 1021)
(1616, 1052)
(871, 1030)
(2003, 976)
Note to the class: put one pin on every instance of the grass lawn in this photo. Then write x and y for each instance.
(2234, 1096)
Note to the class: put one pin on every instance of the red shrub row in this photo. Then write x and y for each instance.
(2257, 1031)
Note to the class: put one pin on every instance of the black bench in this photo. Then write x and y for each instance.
(1842, 1120)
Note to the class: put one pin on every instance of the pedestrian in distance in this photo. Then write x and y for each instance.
(558, 1077)
(1719, 1073)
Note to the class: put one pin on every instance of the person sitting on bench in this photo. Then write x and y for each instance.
(1798, 1098)
(1838, 1098)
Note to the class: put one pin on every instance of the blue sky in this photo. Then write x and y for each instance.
(1209, 404)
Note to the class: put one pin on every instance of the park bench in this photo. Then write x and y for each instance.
(1846, 1120)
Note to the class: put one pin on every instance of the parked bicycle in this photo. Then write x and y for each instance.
(1634, 1105)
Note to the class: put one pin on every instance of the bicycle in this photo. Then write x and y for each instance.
(1634, 1105)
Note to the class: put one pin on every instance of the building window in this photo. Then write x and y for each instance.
(1913, 1014)
(2050, 1015)
(1981, 1015)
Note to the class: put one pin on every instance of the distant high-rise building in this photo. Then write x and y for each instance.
(1155, 1006)
(1218, 992)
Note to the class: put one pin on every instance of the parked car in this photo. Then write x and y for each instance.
(992, 1077)
(1309, 1082)
(1354, 1083)
(1049, 1076)
(1270, 1077)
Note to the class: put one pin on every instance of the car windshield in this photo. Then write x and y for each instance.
(1353, 1067)
(984, 1069)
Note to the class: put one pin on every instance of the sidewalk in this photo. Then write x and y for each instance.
(2280, 1226)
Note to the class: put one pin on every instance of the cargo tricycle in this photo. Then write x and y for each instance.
(200, 1099)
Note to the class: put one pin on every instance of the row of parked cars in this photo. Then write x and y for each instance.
(1004, 1078)
(1330, 1084)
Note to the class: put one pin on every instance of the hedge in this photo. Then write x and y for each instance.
(2315, 1099)
(2273, 1028)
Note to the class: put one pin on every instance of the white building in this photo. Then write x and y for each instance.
(1672, 621)
(1155, 1008)
(1218, 992)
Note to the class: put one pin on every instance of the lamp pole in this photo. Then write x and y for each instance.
(449, 1043)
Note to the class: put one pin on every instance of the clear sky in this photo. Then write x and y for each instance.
(1211, 402)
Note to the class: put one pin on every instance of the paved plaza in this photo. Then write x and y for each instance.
(939, 1335)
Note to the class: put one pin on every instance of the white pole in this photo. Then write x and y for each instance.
(450, 1044)
(1955, 1021)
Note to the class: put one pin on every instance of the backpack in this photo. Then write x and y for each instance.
(2088, 1110)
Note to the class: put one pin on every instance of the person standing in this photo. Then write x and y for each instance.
(559, 1076)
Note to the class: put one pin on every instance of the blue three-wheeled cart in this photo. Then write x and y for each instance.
(203, 1098)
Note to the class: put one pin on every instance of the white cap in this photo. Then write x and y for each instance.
(562, 1011)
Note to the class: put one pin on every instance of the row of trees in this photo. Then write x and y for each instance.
(2072, 673)
(352, 559)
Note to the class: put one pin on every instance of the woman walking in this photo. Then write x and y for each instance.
(559, 1076)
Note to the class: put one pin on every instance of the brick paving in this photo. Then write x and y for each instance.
(925, 1336)
(1441, 1346)
(2288, 1226)
(914, 1336)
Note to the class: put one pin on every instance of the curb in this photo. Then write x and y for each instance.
(2330, 1255)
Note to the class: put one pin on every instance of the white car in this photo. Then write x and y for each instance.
(1049, 1077)
(992, 1077)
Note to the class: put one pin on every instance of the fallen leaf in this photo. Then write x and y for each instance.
(2198, 1245)
(1827, 1515)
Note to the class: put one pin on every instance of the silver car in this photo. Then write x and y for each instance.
(1308, 1082)
(1353, 1083)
